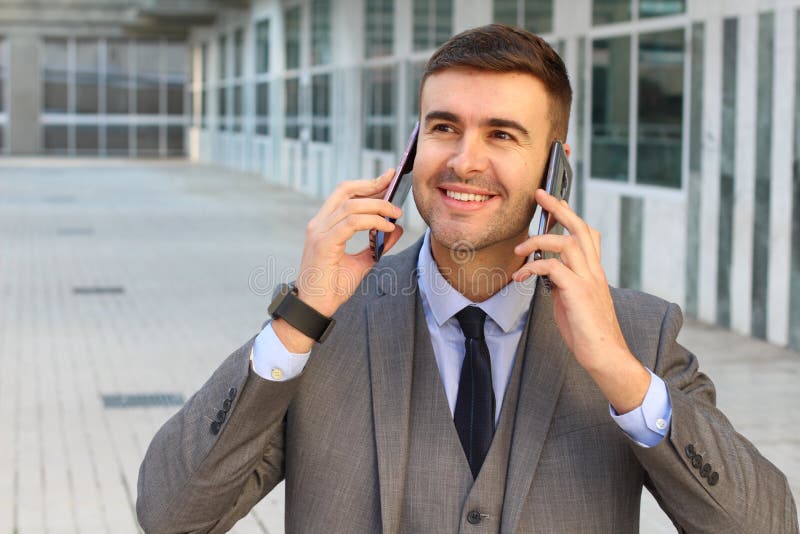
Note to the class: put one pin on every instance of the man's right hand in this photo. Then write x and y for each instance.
(328, 275)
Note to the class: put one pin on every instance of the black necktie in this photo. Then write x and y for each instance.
(474, 414)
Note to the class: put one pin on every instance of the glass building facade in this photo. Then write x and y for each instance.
(659, 127)
(113, 97)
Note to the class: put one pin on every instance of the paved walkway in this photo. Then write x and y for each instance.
(122, 278)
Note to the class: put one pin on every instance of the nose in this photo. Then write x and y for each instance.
(470, 157)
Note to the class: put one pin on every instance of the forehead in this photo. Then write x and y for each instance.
(470, 93)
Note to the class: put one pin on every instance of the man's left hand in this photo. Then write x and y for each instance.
(582, 305)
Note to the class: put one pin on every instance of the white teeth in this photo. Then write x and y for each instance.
(467, 197)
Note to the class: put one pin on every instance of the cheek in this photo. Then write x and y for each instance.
(429, 160)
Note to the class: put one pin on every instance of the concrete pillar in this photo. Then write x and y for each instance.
(24, 78)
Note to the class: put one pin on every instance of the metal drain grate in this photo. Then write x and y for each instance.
(98, 290)
(142, 400)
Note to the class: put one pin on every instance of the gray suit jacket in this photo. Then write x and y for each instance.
(338, 434)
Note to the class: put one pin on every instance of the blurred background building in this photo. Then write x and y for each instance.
(683, 126)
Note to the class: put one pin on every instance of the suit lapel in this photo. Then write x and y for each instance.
(390, 326)
(542, 376)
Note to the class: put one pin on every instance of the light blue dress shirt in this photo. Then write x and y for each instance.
(507, 312)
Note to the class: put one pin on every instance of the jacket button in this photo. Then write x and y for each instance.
(215, 428)
(697, 461)
(474, 517)
(226, 404)
(690, 452)
(713, 478)
(221, 416)
(232, 393)
(705, 470)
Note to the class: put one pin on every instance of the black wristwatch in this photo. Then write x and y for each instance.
(286, 305)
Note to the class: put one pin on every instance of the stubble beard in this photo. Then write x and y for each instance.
(508, 222)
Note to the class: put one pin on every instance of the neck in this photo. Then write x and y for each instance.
(481, 273)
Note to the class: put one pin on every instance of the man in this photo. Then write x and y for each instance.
(446, 398)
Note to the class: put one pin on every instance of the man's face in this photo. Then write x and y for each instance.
(483, 146)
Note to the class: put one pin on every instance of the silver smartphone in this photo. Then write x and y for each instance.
(558, 182)
(397, 191)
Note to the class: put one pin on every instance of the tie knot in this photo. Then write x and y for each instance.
(471, 319)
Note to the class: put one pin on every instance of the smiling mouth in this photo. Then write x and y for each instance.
(467, 197)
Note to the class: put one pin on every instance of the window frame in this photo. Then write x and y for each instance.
(634, 29)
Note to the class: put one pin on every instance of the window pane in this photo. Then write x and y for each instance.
(147, 140)
(320, 32)
(659, 8)
(379, 86)
(86, 76)
(415, 71)
(237, 108)
(117, 76)
(222, 107)
(147, 58)
(658, 147)
(610, 115)
(379, 29)
(606, 11)
(204, 63)
(794, 281)
(87, 140)
(55, 139)
(175, 140)
(238, 52)
(262, 46)
(117, 140)
(432, 23)
(762, 229)
(2, 80)
(222, 58)
(505, 12)
(321, 107)
(443, 27)
(292, 103)
(55, 77)
(727, 191)
(292, 21)
(177, 62)
(262, 108)
(539, 16)
(204, 108)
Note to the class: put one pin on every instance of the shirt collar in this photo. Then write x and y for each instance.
(506, 307)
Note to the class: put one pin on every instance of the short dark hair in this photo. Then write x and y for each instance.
(502, 48)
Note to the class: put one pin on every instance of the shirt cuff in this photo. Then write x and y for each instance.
(649, 423)
(272, 361)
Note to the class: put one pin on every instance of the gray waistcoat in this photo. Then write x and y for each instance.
(437, 465)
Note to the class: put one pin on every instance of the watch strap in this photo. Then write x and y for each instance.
(288, 306)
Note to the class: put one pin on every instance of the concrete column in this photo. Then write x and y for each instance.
(24, 79)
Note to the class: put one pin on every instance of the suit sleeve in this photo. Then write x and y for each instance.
(219, 455)
(705, 475)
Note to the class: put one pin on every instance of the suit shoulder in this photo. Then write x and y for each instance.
(639, 306)
(641, 312)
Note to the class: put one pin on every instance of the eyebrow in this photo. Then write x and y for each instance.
(493, 122)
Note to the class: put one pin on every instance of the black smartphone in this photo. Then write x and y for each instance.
(558, 182)
(397, 191)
